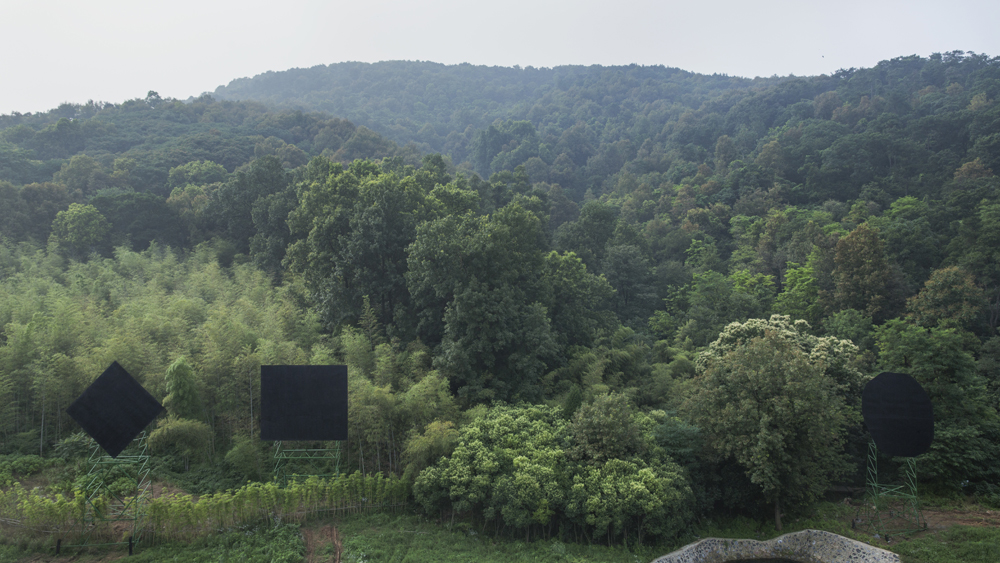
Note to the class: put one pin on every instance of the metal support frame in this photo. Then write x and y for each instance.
(892, 509)
(109, 501)
(317, 461)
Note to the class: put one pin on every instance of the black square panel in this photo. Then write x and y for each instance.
(305, 403)
(114, 409)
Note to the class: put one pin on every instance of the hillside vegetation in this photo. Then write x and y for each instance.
(585, 303)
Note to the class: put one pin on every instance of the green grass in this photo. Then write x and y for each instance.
(10, 554)
(264, 545)
(412, 539)
(268, 545)
(830, 516)
(961, 544)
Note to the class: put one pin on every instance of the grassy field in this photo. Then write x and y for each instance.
(959, 533)
(411, 539)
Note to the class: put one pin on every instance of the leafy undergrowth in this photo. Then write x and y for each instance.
(282, 544)
(960, 544)
(266, 545)
(412, 539)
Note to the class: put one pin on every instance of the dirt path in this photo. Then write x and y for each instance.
(317, 540)
(938, 519)
(941, 519)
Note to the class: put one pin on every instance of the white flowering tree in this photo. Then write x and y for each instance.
(777, 401)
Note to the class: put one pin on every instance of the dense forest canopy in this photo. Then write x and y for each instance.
(590, 125)
(608, 256)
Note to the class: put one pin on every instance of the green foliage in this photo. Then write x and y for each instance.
(853, 325)
(14, 467)
(261, 544)
(961, 544)
(246, 460)
(836, 358)
(608, 429)
(394, 537)
(196, 172)
(503, 146)
(82, 173)
(588, 236)
(182, 400)
(355, 226)
(423, 450)
(609, 192)
(511, 465)
(80, 229)
(181, 518)
(628, 272)
(709, 298)
(862, 275)
(624, 497)
(139, 218)
(189, 439)
(578, 299)
(234, 201)
(513, 444)
(477, 284)
(949, 299)
(965, 423)
(75, 446)
(18, 166)
(775, 408)
(64, 322)
(799, 299)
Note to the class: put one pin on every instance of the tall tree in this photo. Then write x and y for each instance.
(966, 426)
(477, 283)
(863, 276)
(949, 299)
(799, 299)
(182, 400)
(140, 218)
(234, 201)
(628, 272)
(80, 229)
(589, 235)
(355, 226)
(576, 300)
(768, 406)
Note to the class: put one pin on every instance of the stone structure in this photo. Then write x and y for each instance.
(807, 546)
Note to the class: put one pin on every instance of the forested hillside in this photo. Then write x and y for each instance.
(129, 159)
(909, 121)
(569, 298)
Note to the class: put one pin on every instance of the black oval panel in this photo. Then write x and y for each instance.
(898, 414)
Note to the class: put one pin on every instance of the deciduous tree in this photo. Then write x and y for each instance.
(771, 406)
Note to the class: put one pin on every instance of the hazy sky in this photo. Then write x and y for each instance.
(113, 50)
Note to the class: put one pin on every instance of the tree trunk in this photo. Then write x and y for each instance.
(361, 456)
(250, 379)
(777, 514)
(41, 433)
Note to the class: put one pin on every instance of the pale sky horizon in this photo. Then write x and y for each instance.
(59, 51)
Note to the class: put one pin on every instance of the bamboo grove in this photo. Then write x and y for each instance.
(182, 517)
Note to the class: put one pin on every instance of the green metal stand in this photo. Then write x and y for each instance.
(299, 464)
(117, 496)
(892, 509)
